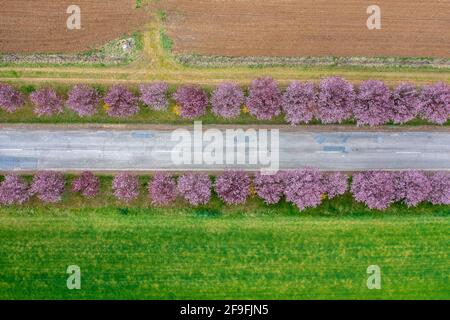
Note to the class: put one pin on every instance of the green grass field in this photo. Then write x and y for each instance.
(181, 255)
(251, 251)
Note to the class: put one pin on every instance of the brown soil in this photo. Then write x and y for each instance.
(40, 25)
(308, 27)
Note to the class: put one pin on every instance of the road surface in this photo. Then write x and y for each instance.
(141, 150)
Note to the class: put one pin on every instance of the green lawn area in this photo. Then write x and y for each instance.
(219, 252)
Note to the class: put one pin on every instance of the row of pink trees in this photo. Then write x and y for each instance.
(335, 100)
(305, 188)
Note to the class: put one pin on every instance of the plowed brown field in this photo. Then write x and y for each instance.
(237, 27)
(309, 27)
(40, 25)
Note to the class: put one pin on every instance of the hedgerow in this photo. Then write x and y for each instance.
(162, 189)
(126, 187)
(48, 186)
(10, 98)
(46, 102)
(87, 184)
(83, 100)
(264, 99)
(227, 100)
(233, 187)
(195, 188)
(299, 103)
(155, 95)
(192, 100)
(304, 188)
(333, 101)
(14, 190)
(121, 102)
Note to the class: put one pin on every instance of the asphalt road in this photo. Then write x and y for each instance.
(106, 150)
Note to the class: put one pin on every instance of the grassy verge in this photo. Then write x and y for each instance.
(145, 115)
(343, 206)
(148, 255)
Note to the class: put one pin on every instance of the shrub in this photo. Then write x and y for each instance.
(335, 101)
(304, 188)
(155, 95)
(83, 100)
(373, 105)
(195, 188)
(48, 186)
(270, 188)
(87, 184)
(10, 98)
(440, 188)
(46, 102)
(162, 189)
(406, 103)
(435, 103)
(233, 187)
(121, 102)
(299, 103)
(192, 100)
(227, 100)
(413, 187)
(376, 189)
(13, 190)
(126, 187)
(336, 184)
(264, 100)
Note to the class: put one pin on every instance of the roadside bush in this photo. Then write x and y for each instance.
(270, 188)
(299, 103)
(10, 98)
(195, 188)
(192, 100)
(227, 100)
(13, 190)
(87, 184)
(336, 100)
(155, 95)
(121, 102)
(376, 189)
(83, 100)
(336, 184)
(233, 187)
(435, 103)
(406, 103)
(162, 189)
(413, 187)
(304, 188)
(48, 186)
(373, 105)
(264, 100)
(46, 102)
(126, 187)
(440, 188)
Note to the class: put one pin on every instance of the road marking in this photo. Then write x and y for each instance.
(408, 152)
